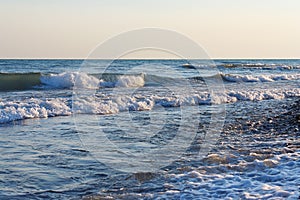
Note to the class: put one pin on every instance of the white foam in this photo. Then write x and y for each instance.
(83, 80)
(38, 108)
(262, 66)
(111, 106)
(259, 78)
(258, 95)
(69, 80)
(33, 108)
(130, 81)
(246, 180)
(93, 106)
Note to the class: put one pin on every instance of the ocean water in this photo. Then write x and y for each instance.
(147, 129)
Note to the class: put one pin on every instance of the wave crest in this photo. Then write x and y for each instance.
(259, 78)
(69, 80)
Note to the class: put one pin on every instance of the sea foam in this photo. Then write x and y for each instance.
(32, 108)
(259, 78)
(38, 108)
(69, 80)
(83, 80)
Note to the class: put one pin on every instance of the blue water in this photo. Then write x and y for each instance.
(75, 132)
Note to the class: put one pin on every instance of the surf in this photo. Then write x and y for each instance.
(69, 80)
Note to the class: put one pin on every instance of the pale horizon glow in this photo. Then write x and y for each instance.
(225, 29)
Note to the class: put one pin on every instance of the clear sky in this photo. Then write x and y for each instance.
(225, 28)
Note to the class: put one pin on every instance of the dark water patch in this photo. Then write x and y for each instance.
(18, 81)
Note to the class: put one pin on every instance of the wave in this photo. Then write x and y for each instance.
(188, 66)
(116, 80)
(43, 108)
(261, 66)
(69, 80)
(259, 78)
(258, 65)
(18, 81)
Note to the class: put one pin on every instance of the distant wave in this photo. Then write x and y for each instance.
(188, 66)
(262, 66)
(259, 78)
(234, 78)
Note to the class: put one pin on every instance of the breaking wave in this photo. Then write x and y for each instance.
(260, 66)
(67, 80)
(259, 78)
(43, 108)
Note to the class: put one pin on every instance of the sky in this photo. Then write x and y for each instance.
(224, 28)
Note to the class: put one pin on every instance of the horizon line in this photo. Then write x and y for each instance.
(220, 58)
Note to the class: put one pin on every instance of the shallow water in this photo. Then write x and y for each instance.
(151, 134)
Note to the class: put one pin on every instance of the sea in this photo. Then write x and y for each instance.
(148, 129)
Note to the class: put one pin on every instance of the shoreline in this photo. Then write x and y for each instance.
(255, 150)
